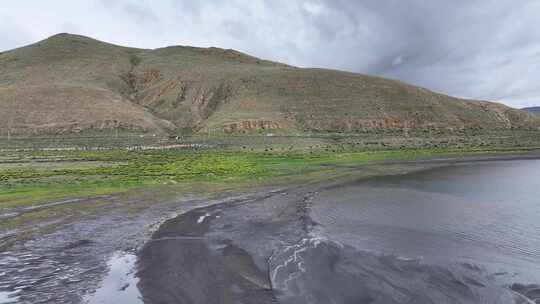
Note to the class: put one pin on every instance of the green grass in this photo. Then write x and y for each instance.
(28, 185)
(119, 170)
(140, 179)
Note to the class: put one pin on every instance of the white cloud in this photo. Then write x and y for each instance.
(397, 61)
(479, 49)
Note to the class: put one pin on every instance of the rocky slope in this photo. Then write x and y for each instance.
(74, 84)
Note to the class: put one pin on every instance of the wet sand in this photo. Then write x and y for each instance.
(220, 254)
(70, 264)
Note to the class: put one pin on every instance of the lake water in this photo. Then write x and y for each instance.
(8, 297)
(120, 283)
(467, 233)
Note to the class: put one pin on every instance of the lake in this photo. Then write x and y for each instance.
(466, 233)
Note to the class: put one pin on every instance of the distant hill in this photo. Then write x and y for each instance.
(535, 110)
(74, 84)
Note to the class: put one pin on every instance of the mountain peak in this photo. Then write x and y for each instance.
(68, 40)
(68, 36)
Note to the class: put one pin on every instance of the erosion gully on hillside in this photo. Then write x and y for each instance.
(89, 86)
(324, 242)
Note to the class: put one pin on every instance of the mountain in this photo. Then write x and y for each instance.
(74, 84)
(534, 110)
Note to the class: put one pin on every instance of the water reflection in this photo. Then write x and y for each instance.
(8, 297)
(120, 284)
(482, 214)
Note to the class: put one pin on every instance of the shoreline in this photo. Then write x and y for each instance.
(150, 212)
(326, 172)
(89, 237)
(239, 243)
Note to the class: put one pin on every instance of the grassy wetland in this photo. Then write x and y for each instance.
(33, 177)
(44, 185)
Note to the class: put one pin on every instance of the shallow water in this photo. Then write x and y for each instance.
(120, 283)
(8, 297)
(457, 234)
(486, 212)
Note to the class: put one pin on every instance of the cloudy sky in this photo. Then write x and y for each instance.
(483, 49)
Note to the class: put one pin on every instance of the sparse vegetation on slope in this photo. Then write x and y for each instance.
(70, 84)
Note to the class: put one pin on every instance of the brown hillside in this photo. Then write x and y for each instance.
(70, 83)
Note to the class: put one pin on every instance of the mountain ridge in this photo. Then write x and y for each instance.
(534, 110)
(75, 84)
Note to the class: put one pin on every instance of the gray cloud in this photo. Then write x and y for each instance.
(141, 14)
(483, 49)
